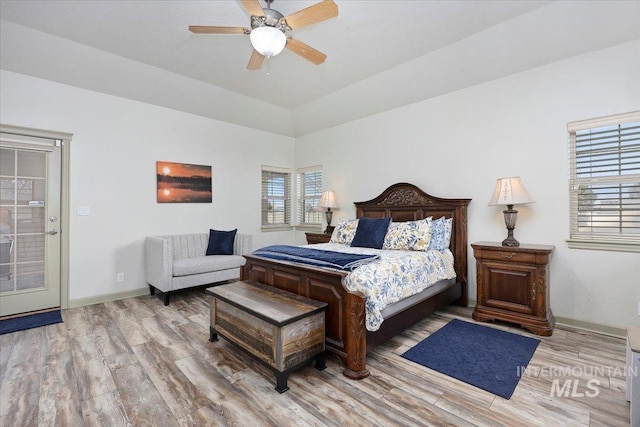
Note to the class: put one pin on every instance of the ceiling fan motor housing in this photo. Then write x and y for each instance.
(271, 18)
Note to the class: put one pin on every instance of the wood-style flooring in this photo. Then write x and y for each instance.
(136, 362)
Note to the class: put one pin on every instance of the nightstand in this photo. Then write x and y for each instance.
(513, 285)
(313, 238)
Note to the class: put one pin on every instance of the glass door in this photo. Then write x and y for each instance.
(29, 228)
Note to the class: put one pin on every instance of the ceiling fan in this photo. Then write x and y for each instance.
(268, 30)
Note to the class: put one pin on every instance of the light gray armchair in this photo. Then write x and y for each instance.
(179, 261)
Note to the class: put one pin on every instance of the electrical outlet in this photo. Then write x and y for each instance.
(120, 277)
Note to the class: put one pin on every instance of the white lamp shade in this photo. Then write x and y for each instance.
(328, 200)
(510, 191)
(268, 41)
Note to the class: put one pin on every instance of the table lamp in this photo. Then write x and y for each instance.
(328, 200)
(510, 191)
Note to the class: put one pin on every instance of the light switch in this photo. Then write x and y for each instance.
(84, 211)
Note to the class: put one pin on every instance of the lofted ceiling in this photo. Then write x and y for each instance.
(369, 38)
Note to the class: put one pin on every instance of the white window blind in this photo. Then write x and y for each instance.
(604, 179)
(276, 197)
(309, 190)
(28, 142)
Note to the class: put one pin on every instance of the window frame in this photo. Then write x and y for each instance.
(264, 197)
(301, 198)
(624, 242)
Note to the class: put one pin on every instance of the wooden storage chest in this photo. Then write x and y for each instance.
(282, 330)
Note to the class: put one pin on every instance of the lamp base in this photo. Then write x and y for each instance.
(329, 216)
(510, 216)
(510, 241)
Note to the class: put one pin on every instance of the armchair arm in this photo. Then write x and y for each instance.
(158, 262)
(243, 244)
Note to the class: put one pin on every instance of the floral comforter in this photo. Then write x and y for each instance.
(397, 275)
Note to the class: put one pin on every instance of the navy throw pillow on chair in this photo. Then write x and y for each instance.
(370, 232)
(221, 242)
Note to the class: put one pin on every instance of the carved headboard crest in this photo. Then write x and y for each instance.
(404, 197)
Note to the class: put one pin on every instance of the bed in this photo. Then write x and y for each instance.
(346, 334)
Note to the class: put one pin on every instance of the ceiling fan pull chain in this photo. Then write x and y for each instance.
(268, 65)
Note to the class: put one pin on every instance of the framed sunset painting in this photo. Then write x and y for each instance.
(183, 183)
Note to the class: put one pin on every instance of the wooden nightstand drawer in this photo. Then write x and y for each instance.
(314, 238)
(526, 254)
(505, 255)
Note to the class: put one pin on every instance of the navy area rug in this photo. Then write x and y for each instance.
(484, 357)
(29, 321)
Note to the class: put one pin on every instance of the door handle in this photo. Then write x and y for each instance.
(53, 232)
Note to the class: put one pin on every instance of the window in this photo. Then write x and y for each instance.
(604, 183)
(309, 192)
(276, 198)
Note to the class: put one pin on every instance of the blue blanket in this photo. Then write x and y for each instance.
(315, 257)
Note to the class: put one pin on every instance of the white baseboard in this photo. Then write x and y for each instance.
(592, 327)
(584, 325)
(81, 302)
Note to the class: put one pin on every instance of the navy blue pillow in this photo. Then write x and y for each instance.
(370, 233)
(221, 242)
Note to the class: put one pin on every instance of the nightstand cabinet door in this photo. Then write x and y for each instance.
(507, 287)
(513, 285)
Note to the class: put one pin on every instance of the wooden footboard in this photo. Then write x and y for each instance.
(345, 317)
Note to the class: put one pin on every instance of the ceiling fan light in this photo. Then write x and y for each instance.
(268, 41)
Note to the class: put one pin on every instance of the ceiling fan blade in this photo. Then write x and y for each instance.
(207, 29)
(306, 51)
(255, 62)
(252, 7)
(326, 9)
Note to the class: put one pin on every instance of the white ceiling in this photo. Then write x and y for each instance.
(367, 40)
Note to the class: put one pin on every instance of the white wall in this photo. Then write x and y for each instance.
(456, 145)
(512, 126)
(560, 29)
(115, 146)
(27, 51)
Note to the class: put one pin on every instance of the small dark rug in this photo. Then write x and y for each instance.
(484, 357)
(30, 321)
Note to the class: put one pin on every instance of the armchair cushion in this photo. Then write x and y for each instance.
(206, 264)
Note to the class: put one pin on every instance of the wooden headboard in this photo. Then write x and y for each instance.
(406, 202)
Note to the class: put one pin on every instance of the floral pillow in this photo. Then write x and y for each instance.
(410, 235)
(344, 231)
(440, 234)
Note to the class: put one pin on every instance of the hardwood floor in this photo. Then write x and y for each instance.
(136, 362)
